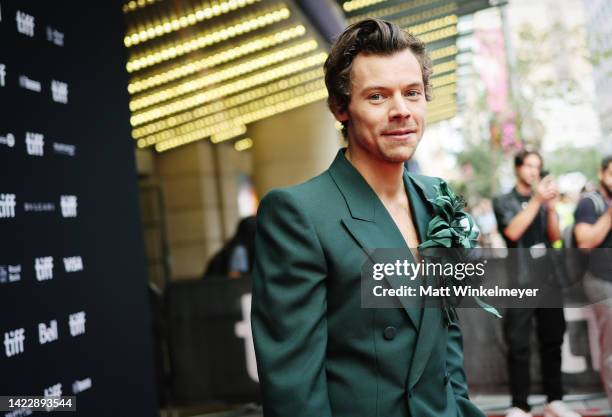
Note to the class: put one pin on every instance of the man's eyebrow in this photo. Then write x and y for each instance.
(418, 84)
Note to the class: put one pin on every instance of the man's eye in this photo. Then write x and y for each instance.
(413, 93)
(375, 96)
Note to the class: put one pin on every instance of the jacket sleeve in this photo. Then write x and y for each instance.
(289, 310)
(455, 369)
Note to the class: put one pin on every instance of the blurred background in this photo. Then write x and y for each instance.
(226, 101)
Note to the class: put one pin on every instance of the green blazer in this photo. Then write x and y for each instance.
(319, 354)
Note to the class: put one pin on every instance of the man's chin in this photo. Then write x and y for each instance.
(399, 157)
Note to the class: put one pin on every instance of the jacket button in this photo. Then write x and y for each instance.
(390, 333)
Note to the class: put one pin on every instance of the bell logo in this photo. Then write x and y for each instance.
(44, 268)
(47, 334)
(69, 205)
(7, 205)
(13, 342)
(35, 144)
(76, 322)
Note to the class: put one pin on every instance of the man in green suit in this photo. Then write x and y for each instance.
(319, 353)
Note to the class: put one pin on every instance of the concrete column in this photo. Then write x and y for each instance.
(186, 175)
(200, 187)
(293, 146)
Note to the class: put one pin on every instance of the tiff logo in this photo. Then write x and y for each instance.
(76, 322)
(46, 333)
(35, 143)
(69, 205)
(7, 205)
(44, 268)
(52, 392)
(2, 75)
(59, 91)
(13, 342)
(25, 23)
(73, 264)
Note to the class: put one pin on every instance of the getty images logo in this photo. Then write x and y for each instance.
(13, 342)
(69, 205)
(44, 268)
(7, 205)
(76, 322)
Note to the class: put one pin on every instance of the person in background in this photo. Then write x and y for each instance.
(526, 218)
(236, 257)
(593, 231)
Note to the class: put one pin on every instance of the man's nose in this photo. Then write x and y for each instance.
(399, 107)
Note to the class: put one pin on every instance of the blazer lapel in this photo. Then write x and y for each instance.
(370, 224)
(373, 228)
(432, 316)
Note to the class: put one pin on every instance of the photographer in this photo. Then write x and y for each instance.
(526, 219)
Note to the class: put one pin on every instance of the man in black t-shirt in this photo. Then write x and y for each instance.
(593, 231)
(526, 218)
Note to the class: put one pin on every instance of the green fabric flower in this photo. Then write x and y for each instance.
(451, 227)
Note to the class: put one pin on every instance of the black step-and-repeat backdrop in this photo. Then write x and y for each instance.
(74, 316)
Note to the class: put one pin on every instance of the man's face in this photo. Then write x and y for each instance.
(386, 113)
(605, 178)
(529, 172)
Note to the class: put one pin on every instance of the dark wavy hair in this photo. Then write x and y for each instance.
(374, 36)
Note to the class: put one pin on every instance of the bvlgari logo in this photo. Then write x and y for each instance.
(59, 91)
(30, 84)
(25, 23)
(64, 149)
(13, 342)
(76, 323)
(7, 205)
(35, 143)
(69, 205)
(44, 268)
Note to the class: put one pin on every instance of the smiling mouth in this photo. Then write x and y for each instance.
(399, 133)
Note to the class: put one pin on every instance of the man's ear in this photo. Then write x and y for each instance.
(340, 115)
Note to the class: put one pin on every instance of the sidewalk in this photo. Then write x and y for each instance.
(585, 404)
(588, 405)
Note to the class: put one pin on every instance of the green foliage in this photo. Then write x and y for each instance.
(481, 169)
(570, 159)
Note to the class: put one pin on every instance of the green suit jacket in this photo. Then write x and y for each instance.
(319, 354)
